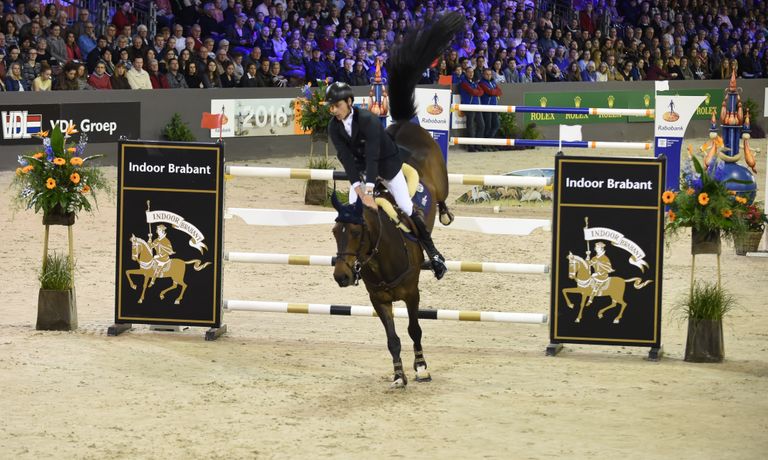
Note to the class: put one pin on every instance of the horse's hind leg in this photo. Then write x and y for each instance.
(414, 330)
(621, 312)
(446, 216)
(384, 310)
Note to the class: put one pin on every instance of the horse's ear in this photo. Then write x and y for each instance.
(335, 201)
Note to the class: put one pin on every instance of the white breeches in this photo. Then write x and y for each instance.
(399, 190)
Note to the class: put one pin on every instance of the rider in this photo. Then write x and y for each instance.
(368, 154)
(602, 267)
(163, 250)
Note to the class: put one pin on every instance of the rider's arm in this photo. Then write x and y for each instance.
(370, 129)
(343, 152)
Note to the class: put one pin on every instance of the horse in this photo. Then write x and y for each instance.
(176, 269)
(369, 245)
(578, 269)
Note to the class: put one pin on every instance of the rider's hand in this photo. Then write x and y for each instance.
(368, 201)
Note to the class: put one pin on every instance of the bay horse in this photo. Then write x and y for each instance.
(578, 269)
(142, 253)
(369, 245)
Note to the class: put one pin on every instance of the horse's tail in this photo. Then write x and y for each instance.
(637, 282)
(412, 57)
(198, 264)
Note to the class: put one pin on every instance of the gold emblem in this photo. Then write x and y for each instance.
(434, 108)
(577, 101)
(611, 101)
(671, 116)
(707, 98)
(543, 102)
(647, 100)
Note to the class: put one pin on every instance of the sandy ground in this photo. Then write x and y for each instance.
(293, 386)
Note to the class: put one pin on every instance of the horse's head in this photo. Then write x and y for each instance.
(571, 266)
(348, 233)
(134, 247)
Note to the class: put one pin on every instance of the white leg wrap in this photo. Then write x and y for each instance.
(399, 190)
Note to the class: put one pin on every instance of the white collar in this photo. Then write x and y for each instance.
(348, 121)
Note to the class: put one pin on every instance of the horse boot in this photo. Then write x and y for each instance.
(436, 260)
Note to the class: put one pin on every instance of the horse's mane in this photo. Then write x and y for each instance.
(416, 53)
(143, 243)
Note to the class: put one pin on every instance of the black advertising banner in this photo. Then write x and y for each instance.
(105, 122)
(607, 251)
(169, 233)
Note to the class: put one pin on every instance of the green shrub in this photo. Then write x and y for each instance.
(706, 301)
(56, 273)
(177, 130)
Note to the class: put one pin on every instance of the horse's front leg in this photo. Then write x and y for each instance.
(384, 310)
(568, 302)
(414, 330)
(144, 287)
(581, 306)
(128, 274)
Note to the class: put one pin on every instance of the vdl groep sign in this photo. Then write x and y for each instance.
(100, 122)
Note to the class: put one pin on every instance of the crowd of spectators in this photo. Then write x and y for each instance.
(275, 43)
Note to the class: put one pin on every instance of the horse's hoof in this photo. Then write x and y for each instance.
(140, 301)
(177, 301)
(578, 320)
(616, 321)
(162, 296)
(422, 375)
(446, 218)
(599, 316)
(398, 384)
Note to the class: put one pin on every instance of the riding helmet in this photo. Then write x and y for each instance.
(338, 91)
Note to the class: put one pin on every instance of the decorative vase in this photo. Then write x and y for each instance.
(316, 192)
(705, 242)
(57, 216)
(747, 242)
(705, 341)
(56, 310)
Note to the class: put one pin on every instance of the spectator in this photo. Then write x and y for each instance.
(293, 63)
(175, 76)
(209, 25)
(276, 79)
(99, 79)
(137, 49)
(602, 72)
(470, 94)
(656, 72)
(106, 58)
(574, 72)
(264, 78)
(345, 74)
(317, 68)
(73, 51)
(138, 78)
(211, 76)
(250, 79)
(13, 80)
(228, 78)
(178, 34)
(80, 27)
(184, 59)
(157, 79)
(360, 75)
(279, 45)
(193, 77)
(67, 80)
(43, 80)
(94, 56)
(685, 70)
(119, 80)
(751, 67)
(56, 45)
(490, 96)
(82, 76)
(87, 41)
(124, 16)
(30, 69)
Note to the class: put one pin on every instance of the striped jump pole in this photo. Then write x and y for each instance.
(329, 261)
(290, 218)
(551, 143)
(649, 113)
(331, 174)
(399, 312)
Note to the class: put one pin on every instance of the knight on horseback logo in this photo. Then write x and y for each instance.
(592, 274)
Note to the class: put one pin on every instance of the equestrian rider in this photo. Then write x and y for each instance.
(602, 267)
(163, 250)
(368, 154)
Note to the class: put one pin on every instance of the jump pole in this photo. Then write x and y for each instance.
(550, 143)
(648, 113)
(329, 261)
(399, 312)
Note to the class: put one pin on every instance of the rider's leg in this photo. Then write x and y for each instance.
(398, 187)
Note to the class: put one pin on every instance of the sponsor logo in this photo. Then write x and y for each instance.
(671, 116)
(21, 124)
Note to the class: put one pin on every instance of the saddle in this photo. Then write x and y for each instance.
(416, 191)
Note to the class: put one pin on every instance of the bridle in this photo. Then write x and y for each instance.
(357, 267)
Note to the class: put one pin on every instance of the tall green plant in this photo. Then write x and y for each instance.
(706, 301)
(177, 130)
(56, 273)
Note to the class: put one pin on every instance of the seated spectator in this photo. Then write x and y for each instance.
(56, 45)
(293, 63)
(87, 41)
(119, 80)
(360, 75)
(44, 80)
(554, 73)
(250, 79)
(73, 51)
(602, 72)
(175, 75)
(99, 79)
(277, 80)
(30, 69)
(685, 70)
(527, 76)
(13, 80)
(344, 74)
(673, 69)
(656, 72)
(67, 80)
(228, 78)
(240, 33)
(138, 78)
(124, 16)
(82, 76)
(157, 79)
(574, 72)
(211, 76)
(193, 77)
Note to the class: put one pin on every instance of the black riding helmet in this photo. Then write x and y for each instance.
(338, 91)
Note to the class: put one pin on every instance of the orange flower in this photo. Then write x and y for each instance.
(668, 197)
(75, 178)
(732, 192)
(672, 216)
(27, 169)
(38, 155)
(19, 171)
(85, 189)
(58, 161)
(727, 213)
(43, 134)
(690, 191)
(741, 200)
(71, 129)
(76, 161)
(50, 183)
(703, 199)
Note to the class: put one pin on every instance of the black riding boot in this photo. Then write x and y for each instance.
(436, 260)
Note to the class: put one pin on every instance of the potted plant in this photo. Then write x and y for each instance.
(705, 205)
(56, 309)
(313, 116)
(704, 308)
(59, 181)
(754, 218)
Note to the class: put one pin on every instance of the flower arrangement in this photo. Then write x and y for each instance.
(313, 115)
(753, 215)
(57, 179)
(703, 202)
